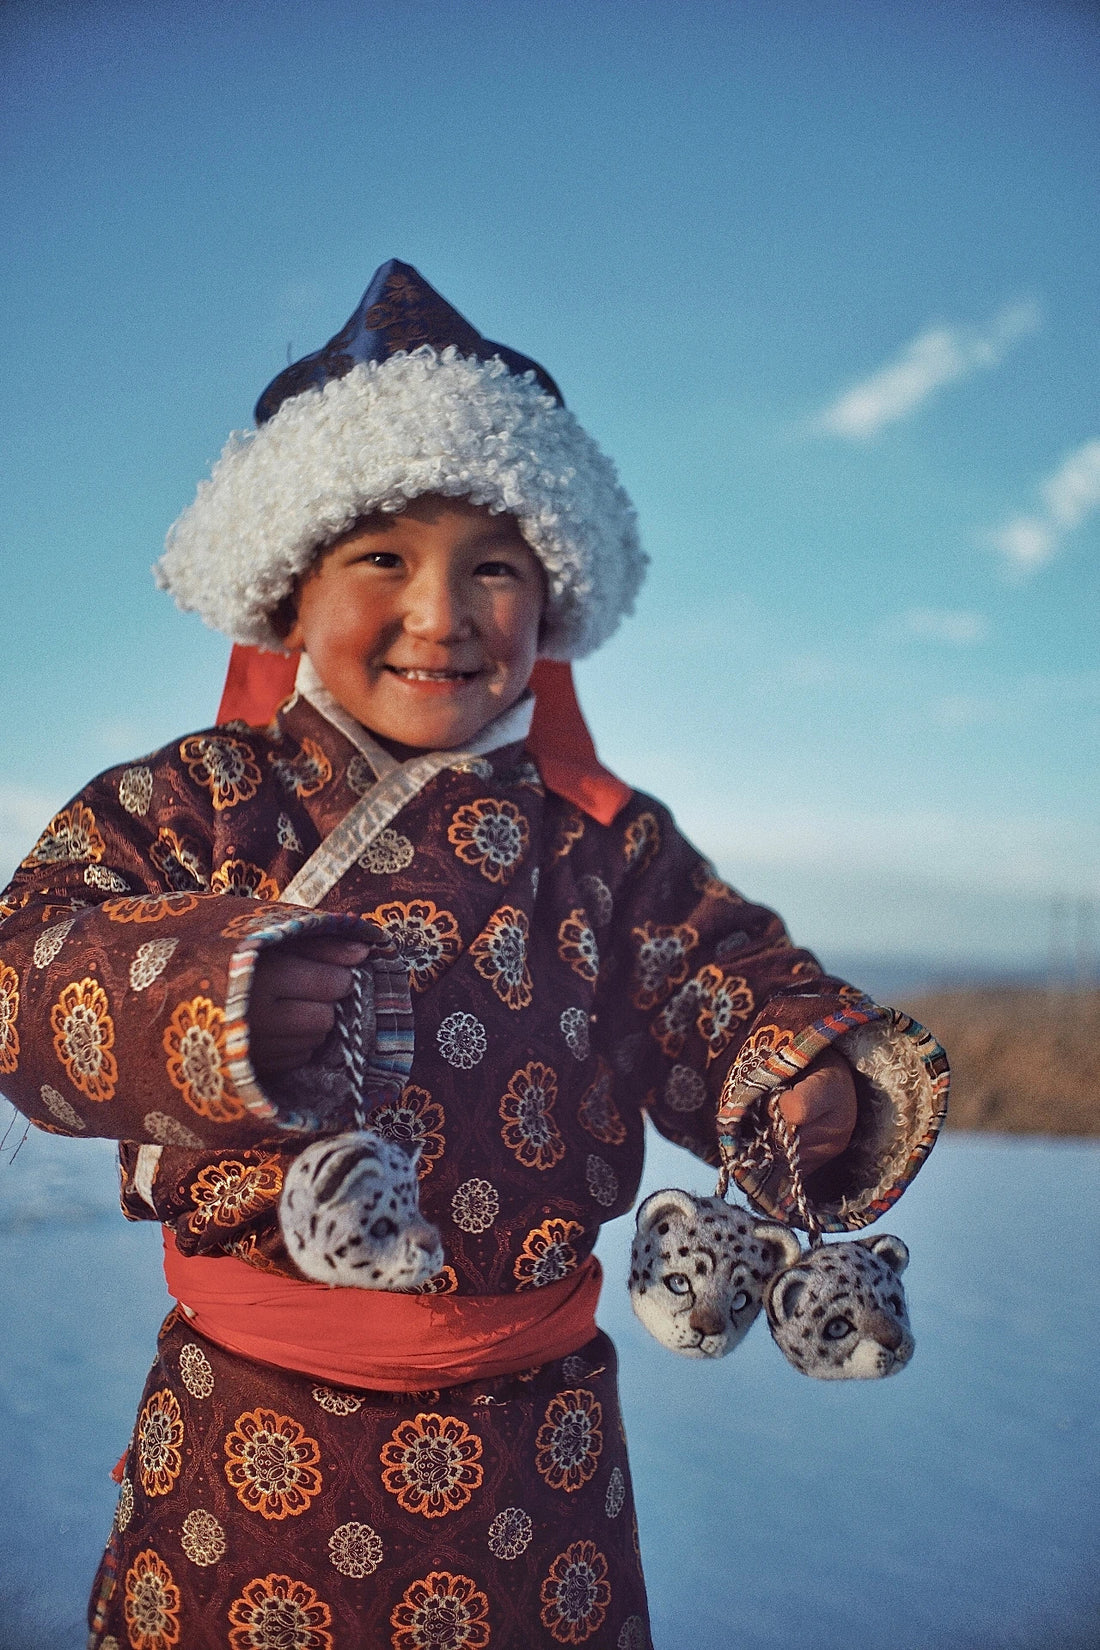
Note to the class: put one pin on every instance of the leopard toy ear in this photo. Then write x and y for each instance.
(839, 1313)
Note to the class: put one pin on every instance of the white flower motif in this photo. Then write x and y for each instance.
(195, 1371)
(603, 1183)
(534, 882)
(616, 1494)
(169, 1132)
(150, 961)
(135, 790)
(574, 1368)
(98, 876)
(50, 941)
(388, 853)
(125, 1508)
(510, 1533)
(475, 1206)
(626, 1055)
(336, 1403)
(632, 1634)
(286, 836)
(574, 1028)
(685, 1090)
(355, 1550)
(360, 775)
(202, 1537)
(597, 897)
(60, 1107)
(462, 1041)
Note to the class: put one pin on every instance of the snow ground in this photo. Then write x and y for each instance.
(951, 1508)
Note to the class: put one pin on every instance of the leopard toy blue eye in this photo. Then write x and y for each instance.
(677, 1284)
(739, 1301)
(837, 1328)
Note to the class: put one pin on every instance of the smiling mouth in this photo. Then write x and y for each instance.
(408, 674)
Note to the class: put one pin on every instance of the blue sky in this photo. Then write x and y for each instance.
(822, 279)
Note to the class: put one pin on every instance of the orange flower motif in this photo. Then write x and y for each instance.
(597, 1111)
(83, 1037)
(441, 1612)
(273, 1464)
(641, 841)
(159, 1438)
(756, 1052)
(304, 774)
(279, 1613)
(223, 766)
(577, 945)
(725, 1004)
(149, 907)
(177, 860)
(151, 1603)
(431, 1465)
(414, 1120)
(228, 1192)
(70, 837)
(530, 1132)
(660, 960)
(444, 1282)
(548, 1254)
(500, 956)
(427, 938)
(569, 831)
(240, 876)
(569, 1442)
(491, 835)
(9, 1008)
(194, 1041)
(576, 1593)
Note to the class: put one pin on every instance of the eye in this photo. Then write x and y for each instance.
(896, 1304)
(496, 570)
(837, 1328)
(383, 1227)
(739, 1301)
(384, 559)
(677, 1283)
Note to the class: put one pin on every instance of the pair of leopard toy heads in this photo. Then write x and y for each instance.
(701, 1269)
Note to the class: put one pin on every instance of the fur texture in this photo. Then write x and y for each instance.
(839, 1314)
(350, 1215)
(425, 422)
(699, 1268)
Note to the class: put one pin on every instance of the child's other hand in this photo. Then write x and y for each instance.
(822, 1107)
(292, 1004)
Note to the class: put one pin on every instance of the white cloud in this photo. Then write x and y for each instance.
(938, 356)
(1071, 495)
(957, 628)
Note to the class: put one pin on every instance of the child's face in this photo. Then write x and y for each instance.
(424, 625)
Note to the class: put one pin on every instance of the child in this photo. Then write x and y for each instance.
(417, 519)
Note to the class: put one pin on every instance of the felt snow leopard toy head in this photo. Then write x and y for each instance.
(839, 1312)
(350, 1215)
(699, 1268)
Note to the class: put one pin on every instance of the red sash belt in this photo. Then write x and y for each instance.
(371, 1338)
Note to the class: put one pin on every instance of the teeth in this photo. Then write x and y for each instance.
(429, 675)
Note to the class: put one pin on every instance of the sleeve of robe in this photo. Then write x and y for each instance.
(710, 1008)
(125, 965)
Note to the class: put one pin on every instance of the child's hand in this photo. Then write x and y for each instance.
(292, 1004)
(822, 1106)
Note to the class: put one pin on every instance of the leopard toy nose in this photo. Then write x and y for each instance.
(885, 1331)
(706, 1321)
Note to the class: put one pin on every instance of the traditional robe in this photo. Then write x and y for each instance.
(567, 979)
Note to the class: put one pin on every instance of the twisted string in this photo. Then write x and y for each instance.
(349, 1022)
(786, 1138)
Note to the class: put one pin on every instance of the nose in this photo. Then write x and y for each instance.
(435, 609)
(706, 1321)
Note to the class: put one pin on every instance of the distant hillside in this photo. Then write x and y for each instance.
(1022, 1061)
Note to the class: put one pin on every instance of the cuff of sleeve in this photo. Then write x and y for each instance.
(902, 1083)
(306, 1100)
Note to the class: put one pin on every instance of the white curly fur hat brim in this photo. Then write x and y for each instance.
(385, 433)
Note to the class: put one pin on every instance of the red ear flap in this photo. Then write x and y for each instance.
(256, 684)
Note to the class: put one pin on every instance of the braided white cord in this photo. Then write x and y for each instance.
(786, 1138)
(349, 1023)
